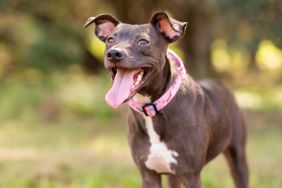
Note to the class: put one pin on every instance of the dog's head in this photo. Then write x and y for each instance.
(134, 54)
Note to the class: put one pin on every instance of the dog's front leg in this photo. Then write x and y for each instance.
(192, 181)
(151, 179)
(174, 182)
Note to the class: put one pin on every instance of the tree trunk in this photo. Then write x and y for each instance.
(134, 12)
(253, 48)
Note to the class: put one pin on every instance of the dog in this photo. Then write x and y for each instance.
(176, 124)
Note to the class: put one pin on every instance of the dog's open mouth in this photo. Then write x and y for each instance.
(126, 83)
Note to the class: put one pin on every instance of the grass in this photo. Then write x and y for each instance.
(53, 138)
(96, 155)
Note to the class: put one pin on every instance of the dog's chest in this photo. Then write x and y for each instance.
(160, 157)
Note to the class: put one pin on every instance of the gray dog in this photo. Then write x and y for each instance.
(176, 125)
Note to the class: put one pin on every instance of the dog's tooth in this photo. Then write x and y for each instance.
(139, 78)
(140, 74)
(136, 83)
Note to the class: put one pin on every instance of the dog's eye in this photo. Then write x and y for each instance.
(143, 42)
(110, 40)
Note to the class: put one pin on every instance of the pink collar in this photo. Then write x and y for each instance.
(151, 109)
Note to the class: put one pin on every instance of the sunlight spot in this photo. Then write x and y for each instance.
(248, 99)
(269, 56)
(97, 48)
(175, 47)
(220, 56)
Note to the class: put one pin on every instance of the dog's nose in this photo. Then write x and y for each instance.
(114, 55)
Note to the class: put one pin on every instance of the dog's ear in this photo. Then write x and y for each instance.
(105, 24)
(169, 27)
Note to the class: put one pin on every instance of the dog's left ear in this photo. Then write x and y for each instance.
(105, 24)
(169, 27)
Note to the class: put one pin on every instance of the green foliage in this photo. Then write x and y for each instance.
(248, 22)
(59, 95)
(53, 50)
(37, 36)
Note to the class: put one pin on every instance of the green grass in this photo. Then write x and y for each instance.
(53, 138)
(97, 155)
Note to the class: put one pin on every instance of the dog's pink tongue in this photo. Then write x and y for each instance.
(122, 84)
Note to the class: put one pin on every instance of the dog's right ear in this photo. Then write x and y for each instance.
(105, 24)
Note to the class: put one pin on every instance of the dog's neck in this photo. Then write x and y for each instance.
(160, 83)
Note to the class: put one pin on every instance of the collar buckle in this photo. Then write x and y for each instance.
(150, 109)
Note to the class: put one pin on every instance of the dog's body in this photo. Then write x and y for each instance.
(201, 121)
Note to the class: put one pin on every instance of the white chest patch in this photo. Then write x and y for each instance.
(160, 157)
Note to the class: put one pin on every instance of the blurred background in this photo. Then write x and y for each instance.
(56, 130)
